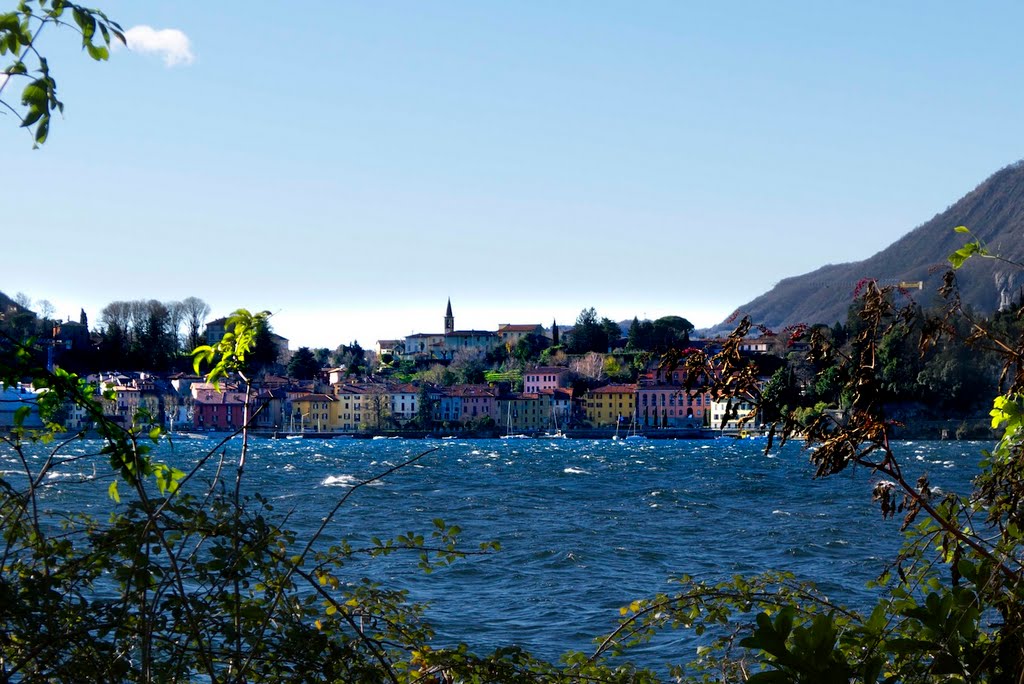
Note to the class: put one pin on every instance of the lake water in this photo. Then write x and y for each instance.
(585, 526)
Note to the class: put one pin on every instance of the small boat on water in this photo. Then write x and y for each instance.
(633, 435)
(508, 428)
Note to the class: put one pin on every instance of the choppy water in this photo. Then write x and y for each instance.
(585, 526)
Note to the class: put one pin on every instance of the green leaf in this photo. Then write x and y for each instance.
(112, 492)
(961, 255)
(967, 570)
(9, 21)
(1005, 410)
(97, 52)
(35, 94)
(21, 414)
(87, 23)
(961, 229)
(31, 116)
(873, 668)
(9, 43)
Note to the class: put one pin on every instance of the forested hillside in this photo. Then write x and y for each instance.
(994, 211)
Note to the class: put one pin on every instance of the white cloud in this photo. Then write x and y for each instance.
(171, 44)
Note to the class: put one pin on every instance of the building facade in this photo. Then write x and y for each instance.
(610, 405)
(545, 378)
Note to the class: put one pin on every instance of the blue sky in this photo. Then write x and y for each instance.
(350, 166)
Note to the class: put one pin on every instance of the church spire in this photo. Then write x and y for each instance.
(449, 319)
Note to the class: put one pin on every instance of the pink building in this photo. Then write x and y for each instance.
(220, 410)
(474, 402)
(545, 378)
(662, 400)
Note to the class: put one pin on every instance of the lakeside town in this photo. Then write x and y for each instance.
(833, 490)
(406, 387)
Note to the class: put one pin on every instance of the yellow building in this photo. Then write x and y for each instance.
(313, 413)
(367, 407)
(611, 404)
(350, 406)
(523, 413)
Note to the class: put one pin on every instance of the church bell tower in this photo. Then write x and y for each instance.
(449, 319)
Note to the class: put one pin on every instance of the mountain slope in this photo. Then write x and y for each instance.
(994, 211)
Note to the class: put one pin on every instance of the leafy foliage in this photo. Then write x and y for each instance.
(303, 364)
(961, 566)
(189, 577)
(351, 356)
(530, 347)
(242, 330)
(661, 335)
(588, 335)
(19, 35)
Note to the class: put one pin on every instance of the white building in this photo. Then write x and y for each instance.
(444, 346)
(738, 411)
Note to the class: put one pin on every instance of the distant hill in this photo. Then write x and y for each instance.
(994, 211)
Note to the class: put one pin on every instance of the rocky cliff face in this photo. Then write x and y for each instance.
(994, 211)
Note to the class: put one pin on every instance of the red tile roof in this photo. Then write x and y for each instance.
(314, 397)
(471, 391)
(615, 389)
(557, 393)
